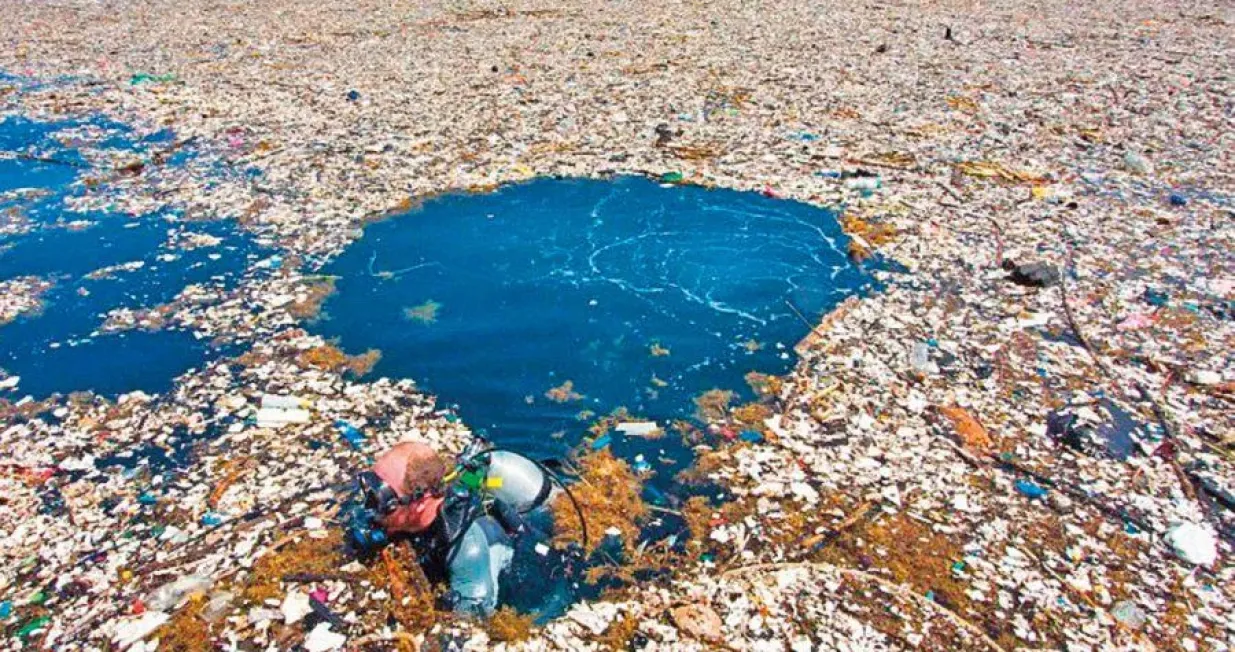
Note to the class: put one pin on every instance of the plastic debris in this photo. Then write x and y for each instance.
(131, 630)
(1137, 163)
(321, 639)
(1193, 543)
(601, 442)
(1128, 614)
(173, 594)
(277, 417)
(638, 428)
(1046, 162)
(751, 436)
(351, 434)
(33, 626)
(295, 607)
(971, 433)
(1030, 490)
(1035, 274)
(699, 621)
(284, 402)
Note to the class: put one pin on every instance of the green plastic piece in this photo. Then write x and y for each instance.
(144, 77)
(672, 177)
(32, 626)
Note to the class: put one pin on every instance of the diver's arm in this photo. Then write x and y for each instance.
(513, 522)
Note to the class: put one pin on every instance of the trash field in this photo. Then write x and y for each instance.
(1024, 440)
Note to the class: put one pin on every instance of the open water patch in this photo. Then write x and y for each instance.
(97, 260)
(544, 305)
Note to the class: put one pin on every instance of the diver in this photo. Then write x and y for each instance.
(466, 521)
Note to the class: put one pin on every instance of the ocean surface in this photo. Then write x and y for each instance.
(539, 307)
(44, 167)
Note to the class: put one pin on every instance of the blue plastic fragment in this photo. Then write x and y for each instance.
(1156, 298)
(350, 433)
(148, 499)
(353, 95)
(211, 519)
(1029, 489)
(601, 441)
(640, 465)
(6, 609)
(752, 436)
(654, 495)
(1178, 199)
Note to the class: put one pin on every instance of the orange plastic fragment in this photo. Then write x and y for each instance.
(972, 434)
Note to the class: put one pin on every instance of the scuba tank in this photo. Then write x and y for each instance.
(520, 482)
(518, 487)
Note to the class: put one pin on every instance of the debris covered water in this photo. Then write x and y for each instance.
(92, 262)
(909, 492)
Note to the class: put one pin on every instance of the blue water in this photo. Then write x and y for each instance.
(578, 280)
(59, 348)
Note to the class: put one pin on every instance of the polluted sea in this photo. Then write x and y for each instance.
(474, 325)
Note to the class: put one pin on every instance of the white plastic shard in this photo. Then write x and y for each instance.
(638, 428)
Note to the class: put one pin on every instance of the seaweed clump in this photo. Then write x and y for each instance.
(188, 630)
(310, 306)
(330, 358)
(509, 626)
(564, 393)
(866, 236)
(713, 405)
(620, 634)
(608, 493)
(411, 600)
(307, 556)
(766, 386)
(425, 313)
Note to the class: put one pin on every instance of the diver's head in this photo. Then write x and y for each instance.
(415, 472)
